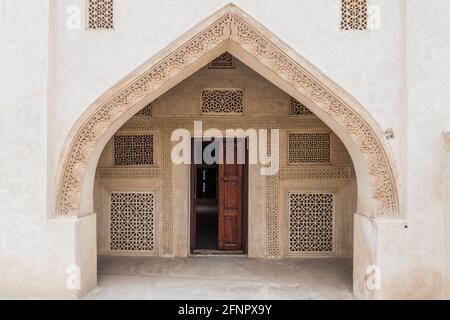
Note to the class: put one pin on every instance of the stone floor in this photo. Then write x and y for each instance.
(213, 277)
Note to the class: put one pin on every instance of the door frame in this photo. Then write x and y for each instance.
(192, 198)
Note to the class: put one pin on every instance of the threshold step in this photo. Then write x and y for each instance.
(218, 252)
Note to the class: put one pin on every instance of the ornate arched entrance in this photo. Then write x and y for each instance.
(230, 30)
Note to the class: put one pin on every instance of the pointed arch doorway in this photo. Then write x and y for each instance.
(232, 30)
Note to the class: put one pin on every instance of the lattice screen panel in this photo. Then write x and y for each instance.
(132, 224)
(134, 150)
(222, 101)
(298, 109)
(145, 112)
(308, 148)
(100, 14)
(225, 61)
(311, 223)
(354, 15)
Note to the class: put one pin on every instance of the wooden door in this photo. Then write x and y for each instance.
(231, 192)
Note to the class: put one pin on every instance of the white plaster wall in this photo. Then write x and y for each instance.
(411, 253)
(428, 44)
(446, 189)
(35, 253)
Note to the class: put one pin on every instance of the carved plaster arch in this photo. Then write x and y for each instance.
(231, 30)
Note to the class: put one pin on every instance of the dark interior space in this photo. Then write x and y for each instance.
(207, 209)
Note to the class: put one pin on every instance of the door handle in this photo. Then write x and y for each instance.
(225, 179)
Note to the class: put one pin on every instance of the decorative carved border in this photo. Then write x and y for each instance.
(128, 173)
(222, 123)
(316, 173)
(166, 215)
(272, 208)
(230, 25)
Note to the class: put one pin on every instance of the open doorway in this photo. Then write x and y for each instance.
(219, 194)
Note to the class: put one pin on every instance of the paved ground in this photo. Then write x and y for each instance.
(222, 278)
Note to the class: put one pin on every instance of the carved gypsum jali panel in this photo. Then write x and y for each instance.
(132, 221)
(272, 184)
(145, 112)
(225, 101)
(298, 109)
(225, 61)
(133, 150)
(354, 15)
(311, 147)
(100, 14)
(128, 173)
(232, 24)
(311, 223)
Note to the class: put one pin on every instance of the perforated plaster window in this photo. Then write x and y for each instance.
(225, 61)
(309, 148)
(311, 223)
(100, 14)
(134, 150)
(145, 112)
(354, 15)
(222, 101)
(132, 221)
(298, 109)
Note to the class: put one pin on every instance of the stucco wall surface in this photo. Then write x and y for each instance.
(50, 74)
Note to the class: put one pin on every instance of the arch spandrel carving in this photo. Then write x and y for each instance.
(231, 24)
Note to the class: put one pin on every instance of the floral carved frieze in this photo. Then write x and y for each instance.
(231, 25)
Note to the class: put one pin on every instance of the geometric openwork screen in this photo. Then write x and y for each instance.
(132, 150)
(354, 15)
(309, 148)
(298, 109)
(100, 14)
(225, 61)
(145, 112)
(222, 101)
(132, 222)
(311, 223)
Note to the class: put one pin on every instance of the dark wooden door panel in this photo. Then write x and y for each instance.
(231, 170)
(231, 195)
(231, 227)
(231, 204)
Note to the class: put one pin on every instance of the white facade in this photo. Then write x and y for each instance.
(52, 73)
